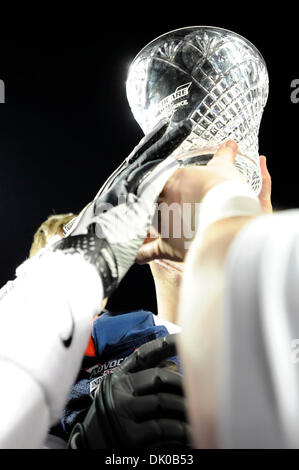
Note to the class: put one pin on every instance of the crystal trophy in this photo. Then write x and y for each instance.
(211, 75)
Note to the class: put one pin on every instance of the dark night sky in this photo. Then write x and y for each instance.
(66, 123)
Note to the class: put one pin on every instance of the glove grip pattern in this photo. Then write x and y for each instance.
(96, 251)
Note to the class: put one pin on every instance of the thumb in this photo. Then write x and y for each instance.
(227, 151)
(265, 193)
(157, 249)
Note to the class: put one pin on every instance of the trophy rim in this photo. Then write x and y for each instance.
(197, 26)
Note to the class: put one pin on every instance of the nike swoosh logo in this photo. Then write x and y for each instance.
(68, 341)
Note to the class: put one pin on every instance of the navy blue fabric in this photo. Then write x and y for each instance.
(115, 337)
(118, 331)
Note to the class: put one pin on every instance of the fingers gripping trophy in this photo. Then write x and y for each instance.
(212, 76)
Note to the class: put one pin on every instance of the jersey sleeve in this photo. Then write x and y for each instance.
(45, 320)
(260, 329)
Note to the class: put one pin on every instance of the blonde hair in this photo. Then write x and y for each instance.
(50, 227)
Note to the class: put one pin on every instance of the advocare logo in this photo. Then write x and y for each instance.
(2, 92)
(169, 105)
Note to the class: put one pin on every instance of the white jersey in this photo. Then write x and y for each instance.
(260, 331)
(45, 318)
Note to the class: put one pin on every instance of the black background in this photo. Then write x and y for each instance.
(66, 123)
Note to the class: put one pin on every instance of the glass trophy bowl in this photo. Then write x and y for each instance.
(211, 75)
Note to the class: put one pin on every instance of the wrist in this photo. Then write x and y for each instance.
(226, 200)
(97, 252)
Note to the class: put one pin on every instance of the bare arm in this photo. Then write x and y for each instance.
(200, 306)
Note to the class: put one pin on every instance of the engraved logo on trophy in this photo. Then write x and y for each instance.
(169, 105)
